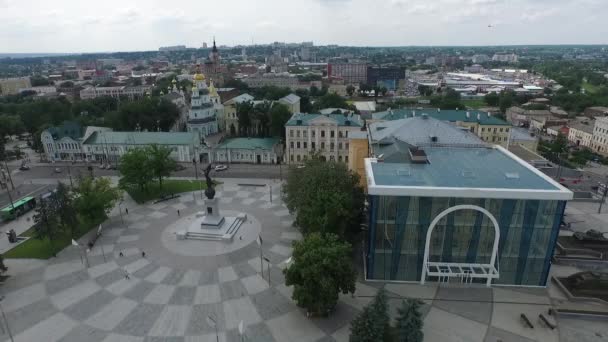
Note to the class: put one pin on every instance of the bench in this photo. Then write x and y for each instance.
(526, 321)
(546, 321)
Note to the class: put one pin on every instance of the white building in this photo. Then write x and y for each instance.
(115, 92)
(65, 142)
(245, 150)
(202, 118)
(581, 133)
(108, 147)
(323, 133)
(505, 57)
(600, 136)
(292, 101)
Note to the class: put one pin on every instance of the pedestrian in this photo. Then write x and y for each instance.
(178, 214)
(120, 254)
(143, 254)
(127, 211)
(127, 275)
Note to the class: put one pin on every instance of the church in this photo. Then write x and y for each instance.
(205, 107)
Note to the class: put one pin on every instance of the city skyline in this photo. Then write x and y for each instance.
(71, 27)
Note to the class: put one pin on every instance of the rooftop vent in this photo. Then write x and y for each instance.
(478, 116)
(298, 121)
(468, 115)
(512, 175)
(434, 138)
(418, 156)
(413, 113)
(489, 114)
(347, 122)
(439, 109)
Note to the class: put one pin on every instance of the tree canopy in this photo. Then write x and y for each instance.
(160, 162)
(321, 269)
(409, 321)
(134, 169)
(325, 197)
(95, 197)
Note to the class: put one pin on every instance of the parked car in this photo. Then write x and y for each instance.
(221, 167)
(57, 170)
(591, 235)
(24, 167)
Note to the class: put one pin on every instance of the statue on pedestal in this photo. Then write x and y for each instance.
(210, 191)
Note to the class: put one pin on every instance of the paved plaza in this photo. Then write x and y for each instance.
(173, 290)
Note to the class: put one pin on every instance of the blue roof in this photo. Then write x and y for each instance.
(340, 119)
(459, 167)
(482, 118)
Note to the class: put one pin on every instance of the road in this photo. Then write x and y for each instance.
(47, 171)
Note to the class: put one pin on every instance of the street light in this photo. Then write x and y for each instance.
(8, 329)
(211, 321)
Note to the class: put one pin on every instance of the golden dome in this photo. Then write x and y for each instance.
(199, 77)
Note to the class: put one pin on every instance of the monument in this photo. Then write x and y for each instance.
(211, 224)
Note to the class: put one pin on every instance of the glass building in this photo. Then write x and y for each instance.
(461, 192)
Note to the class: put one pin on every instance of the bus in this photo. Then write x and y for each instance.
(18, 208)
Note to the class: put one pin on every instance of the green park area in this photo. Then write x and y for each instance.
(170, 187)
(475, 104)
(35, 248)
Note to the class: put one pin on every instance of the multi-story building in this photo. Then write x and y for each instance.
(202, 118)
(480, 59)
(505, 57)
(385, 76)
(581, 133)
(115, 92)
(326, 134)
(461, 214)
(292, 101)
(489, 128)
(382, 139)
(519, 116)
(351, 73)
(108, 146)
(284, 80)
(12, 86)
(600, 136)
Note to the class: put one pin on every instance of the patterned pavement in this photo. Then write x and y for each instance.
(173, 289)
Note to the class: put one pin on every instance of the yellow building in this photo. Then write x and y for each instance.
(358, 150)
(229, 117)
(12, 86)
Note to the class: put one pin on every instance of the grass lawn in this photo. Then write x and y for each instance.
(34, 248)
(475, 104)
(170, 186)
(590, 88)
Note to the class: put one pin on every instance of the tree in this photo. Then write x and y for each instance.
(506, 100)
(372, 324)
(134, 169)
(94, 198)
(331, 100)
(279, 115)
(64, 204)
(492, 99)
(321, 269)
(560, 144)
(325, 196)
(46, 220)
(261, 114)
(350, 90)
(244, 110)
(409, 321)
(160, 162)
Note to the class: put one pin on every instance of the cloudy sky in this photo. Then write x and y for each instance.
(128, 25)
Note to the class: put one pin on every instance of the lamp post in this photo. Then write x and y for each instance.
(268, 261)
(8, 329)
(279, 151)
(212, 322)
(599, 210)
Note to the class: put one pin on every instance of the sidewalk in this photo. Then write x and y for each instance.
(20, 225)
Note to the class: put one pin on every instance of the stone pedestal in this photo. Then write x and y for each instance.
(212, 217)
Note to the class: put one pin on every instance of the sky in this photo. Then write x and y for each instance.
(30, 26)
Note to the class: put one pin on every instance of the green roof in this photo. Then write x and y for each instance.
(67, 129)
(444, 115)
(248, 143)
(143, 138)
(341, 119)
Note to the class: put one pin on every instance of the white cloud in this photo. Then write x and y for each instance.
(73, 25)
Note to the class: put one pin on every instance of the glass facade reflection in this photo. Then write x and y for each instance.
(398, 227)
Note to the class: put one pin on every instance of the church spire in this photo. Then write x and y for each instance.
(214, 49)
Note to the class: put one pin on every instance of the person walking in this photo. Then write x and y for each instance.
(127, 275)
(127, 211)
(143, 254)
(178, 214)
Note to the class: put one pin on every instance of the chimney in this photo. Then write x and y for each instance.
(434, 138)
(438, 109)
(413, 113)
(489, 114)
(478, 116)
(468, 115)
